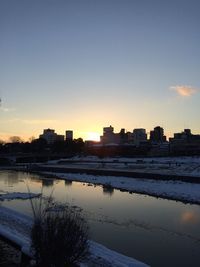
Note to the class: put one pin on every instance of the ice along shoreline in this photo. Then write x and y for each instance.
(15, 228)
(175, 178)
(166, 189)
(169, 178)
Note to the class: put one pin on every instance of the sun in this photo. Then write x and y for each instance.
(92, 136)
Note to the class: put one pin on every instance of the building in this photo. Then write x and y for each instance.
(120, 144)
(139, 136)
(109, 137)
(50, 136)
(185, 136)
(157, 135)
(185, 143)
(69, 135)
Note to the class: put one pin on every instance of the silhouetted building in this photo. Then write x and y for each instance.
(50, 136)
(109, 137)
(123, 136)
(139, 136)
(119, 144)
(157, 135)
(185, 135)
(69, 135)
(185, 143)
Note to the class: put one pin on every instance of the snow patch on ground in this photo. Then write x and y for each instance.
(16, 227)
(172, 189)
(106, 257)
(185, 166)
(177, 190)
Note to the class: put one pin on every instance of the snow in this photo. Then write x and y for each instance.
(16, 227)
(176, 190)
(18, 195)
(106, 257)
(170, 189)
(100, 255)
(185, 166)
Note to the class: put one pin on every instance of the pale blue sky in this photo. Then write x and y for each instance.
(83, 65)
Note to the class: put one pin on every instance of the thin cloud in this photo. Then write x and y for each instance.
(7, 109)
(184, 90)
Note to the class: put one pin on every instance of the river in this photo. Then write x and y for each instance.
(156, 231)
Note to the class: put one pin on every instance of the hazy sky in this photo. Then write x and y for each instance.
(85, 64)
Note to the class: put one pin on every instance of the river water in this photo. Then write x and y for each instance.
(156, 231)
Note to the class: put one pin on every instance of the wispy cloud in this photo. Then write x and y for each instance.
(184, 90)
(7, 109)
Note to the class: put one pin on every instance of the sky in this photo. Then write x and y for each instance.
(83, 65)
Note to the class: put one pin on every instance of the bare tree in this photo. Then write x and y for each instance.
(31, 139)
(15, 139)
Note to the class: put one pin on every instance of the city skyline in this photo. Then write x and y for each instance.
(83, 65)
(96, 136)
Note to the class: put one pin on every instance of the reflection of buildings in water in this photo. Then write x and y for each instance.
(68, 182)
(35, 179)
(47, 182)
(108, 190)
(12, 178)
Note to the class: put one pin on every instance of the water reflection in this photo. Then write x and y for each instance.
(35, 179)
(108, 190)
(147, 228)
(68, 183)
(190, 217)
(47, 182)
(11, 179)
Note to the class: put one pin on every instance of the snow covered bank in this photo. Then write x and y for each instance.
(104, 257)
(176, 190)
(16, 227)
(181, 166)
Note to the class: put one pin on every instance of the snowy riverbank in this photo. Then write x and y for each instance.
(181, 166)
(170, 189)
(175, 190)
(16, 227)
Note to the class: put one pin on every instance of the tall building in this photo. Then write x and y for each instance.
(185, 143)
(109, 137)
(157, 135)
(139, 136)
(50, 136)
(185, 135)
(69, 135)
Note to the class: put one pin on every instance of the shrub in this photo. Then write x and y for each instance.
(59, 237)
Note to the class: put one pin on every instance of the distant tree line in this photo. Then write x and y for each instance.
(40, 146)
(37, 150)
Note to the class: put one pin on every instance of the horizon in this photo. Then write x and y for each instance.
(83, 64)
(94, 136)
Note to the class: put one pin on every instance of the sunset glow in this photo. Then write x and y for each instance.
(93, 136)
(129, 64)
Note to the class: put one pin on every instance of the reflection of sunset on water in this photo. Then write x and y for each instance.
(189, 217)
(119, 219)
